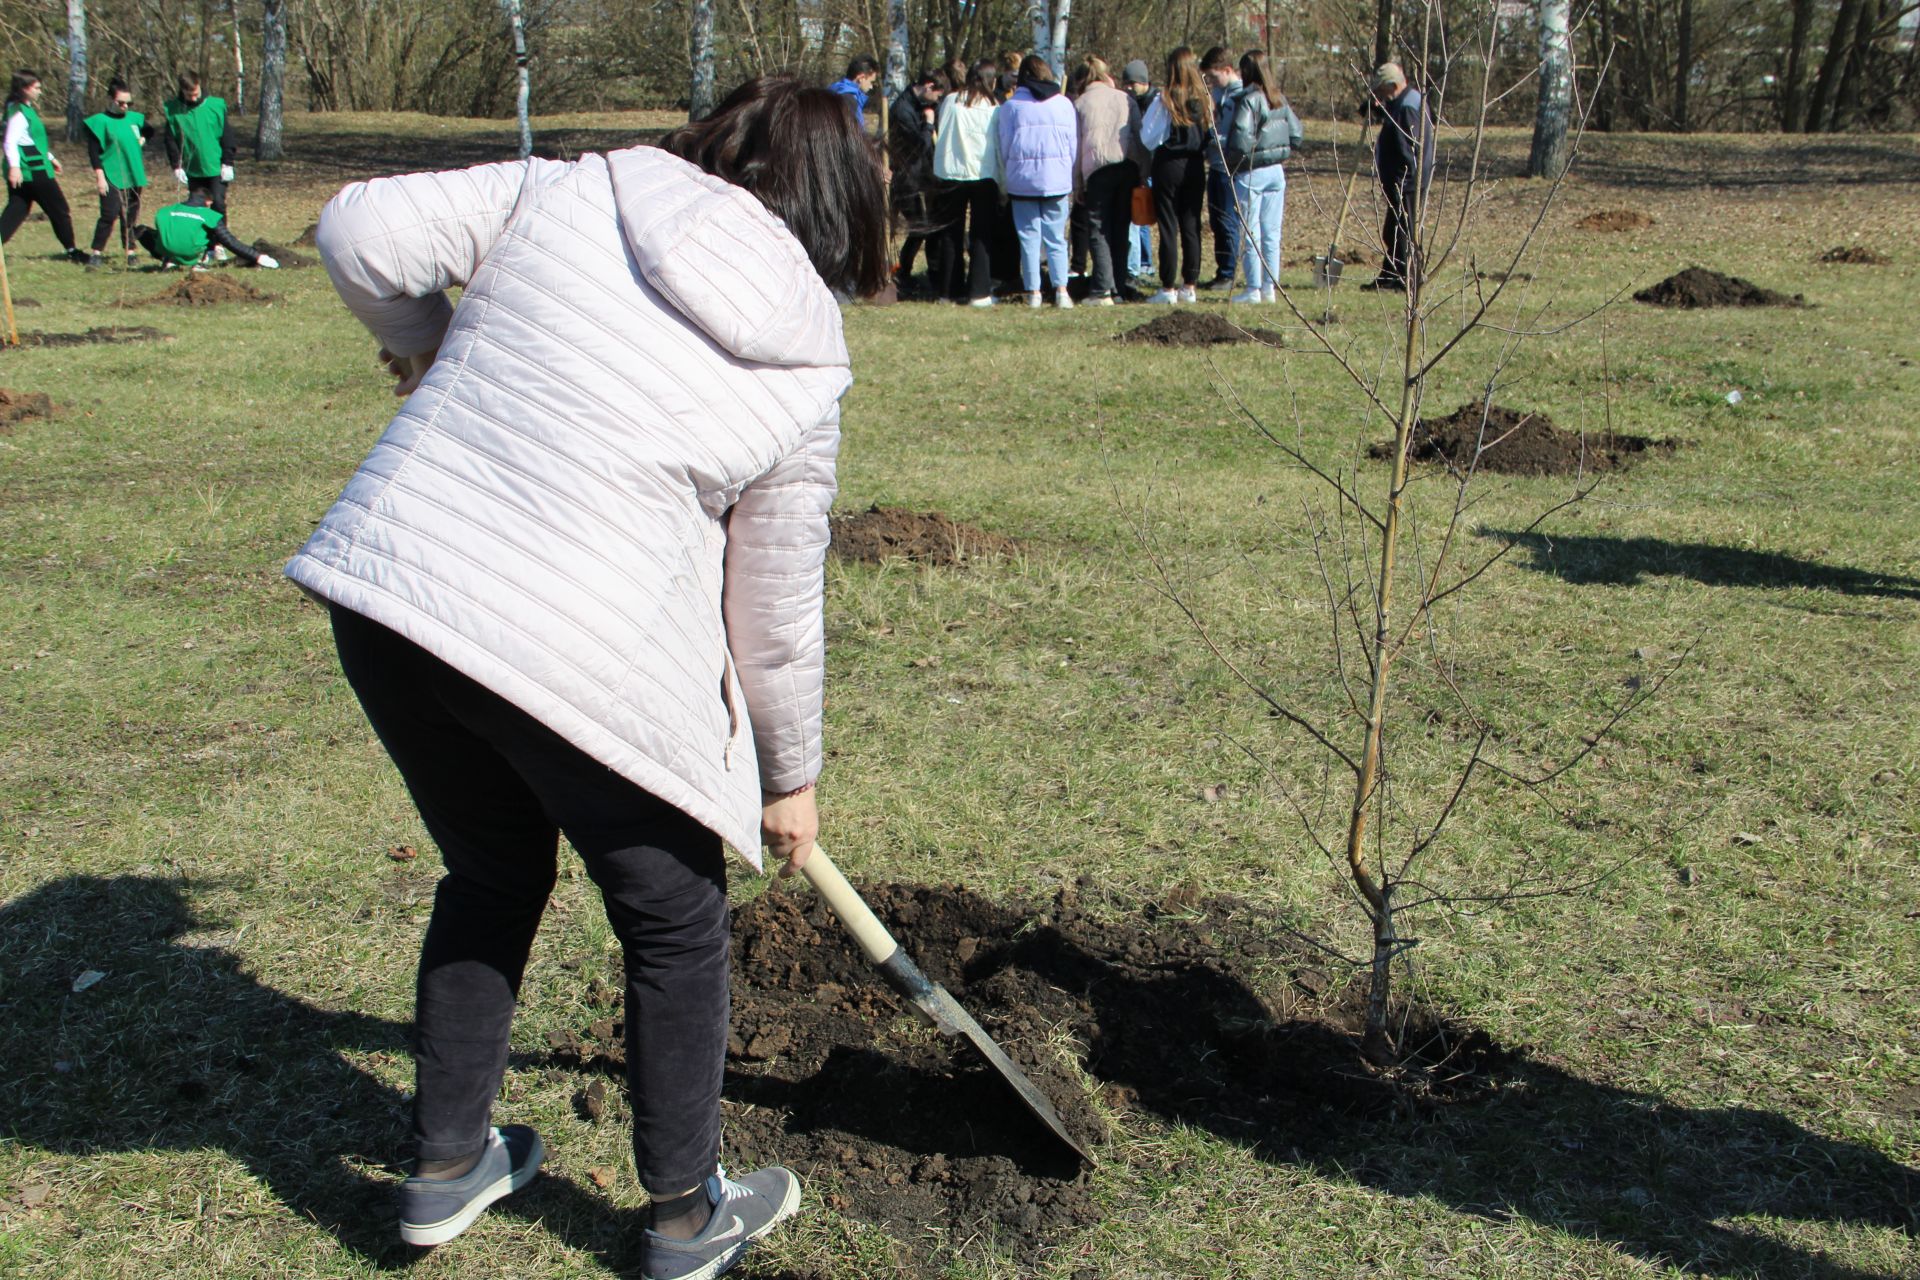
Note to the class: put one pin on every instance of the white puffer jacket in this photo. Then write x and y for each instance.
(607, 502)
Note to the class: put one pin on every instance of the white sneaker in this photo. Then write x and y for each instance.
(1035, 301)
(220, 254)
(1189, 294)
(1103, 300)
(1250, 295)
(1062, 300)
(271, 264)
(1268, 295)
(982, 302)
(1166, 297)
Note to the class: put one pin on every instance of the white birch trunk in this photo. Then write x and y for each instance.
(267, 143)
(239, 68)
(1548, 158)
(1057, 50)
(76, 69)
(518, 20)
(700, 99)
(896, 52)
(1037, 11)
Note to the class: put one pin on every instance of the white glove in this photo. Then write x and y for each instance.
(271, 264)
(180, 176)
(226, 173)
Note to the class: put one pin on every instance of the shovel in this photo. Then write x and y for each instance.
(1326, 271)
(940, 1009)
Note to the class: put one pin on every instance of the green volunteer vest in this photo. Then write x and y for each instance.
(36, 158)
(120, 146)
(198, 128)
(184, 231)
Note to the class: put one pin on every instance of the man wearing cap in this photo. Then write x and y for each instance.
(1403, 157)
(1136, 83)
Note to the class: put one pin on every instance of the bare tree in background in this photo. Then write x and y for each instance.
(519, 23)
(897, 46)
(76, 69)
(1548, 158)
(267, 144)
(700, 96)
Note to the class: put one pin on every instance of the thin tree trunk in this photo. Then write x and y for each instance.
(1826, 87)
(1383, 32)
(897, 51)
(518, 21)
(1793, 103)
(1548, 159)
(1847, 102)
(239, 68)
(1038, 15)
(1057, 51)
(1683, 67)
(76, 69)
(700, 96)
(1605, 92)
(273, 75)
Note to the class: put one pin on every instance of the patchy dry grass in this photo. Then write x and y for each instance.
(1720, 1076)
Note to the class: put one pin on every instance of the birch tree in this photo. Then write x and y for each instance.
(1057, 49)
(700, 101)
(1039, 13)
(518, 19)
(76, 69)
(896, 53)
(273, 74)
(1548, 158)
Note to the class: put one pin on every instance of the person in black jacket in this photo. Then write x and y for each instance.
(1403, 157)
(910, 153)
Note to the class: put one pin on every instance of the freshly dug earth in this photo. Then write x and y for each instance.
(1698, 287)
(1516, 443)
(1615, 220)
(310, 238)
(883, 533)
(103, 334)
(22, 406)
(202, 289)
(281, 254)
(1197, 329)
(1190, 1010)
(1854, 255)
(1351, 257)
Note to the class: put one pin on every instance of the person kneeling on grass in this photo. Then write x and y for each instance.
(181, 234)
(578, 587)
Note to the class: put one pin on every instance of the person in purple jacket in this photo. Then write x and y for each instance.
(1039, 135)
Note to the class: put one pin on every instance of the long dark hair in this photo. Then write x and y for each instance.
(798, 150)
(1254, 74)
(1188, 102)
(982, 78)
(23, 80)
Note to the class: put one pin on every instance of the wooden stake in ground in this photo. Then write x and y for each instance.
(6, 301)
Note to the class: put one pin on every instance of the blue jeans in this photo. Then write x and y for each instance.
(1140, 252)
(1040, 222)
(1224, 218)
(1263, 207)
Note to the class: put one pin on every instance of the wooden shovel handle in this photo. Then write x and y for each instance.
(875, 942)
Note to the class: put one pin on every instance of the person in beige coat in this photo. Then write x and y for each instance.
(1112, 163)
(577, 588)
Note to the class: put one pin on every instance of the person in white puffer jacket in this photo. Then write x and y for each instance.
(577, 586)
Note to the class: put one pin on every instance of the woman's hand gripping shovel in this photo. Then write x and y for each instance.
(931, 1000)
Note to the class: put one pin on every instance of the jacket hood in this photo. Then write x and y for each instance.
(724, 261)
(1037, 89)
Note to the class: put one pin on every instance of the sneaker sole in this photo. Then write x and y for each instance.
(726, 1261)
(428, 1234)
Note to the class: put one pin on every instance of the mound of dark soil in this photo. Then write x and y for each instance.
(22, 406)
(1698, 287)
(284, 256)
(310, 238)
(102, 334)
(1614, 220)
(1855, 255)
(1516, 443)
(883, 533)
(201, 289)
(1197, 329)
(1352, 257)
(1163, 1011)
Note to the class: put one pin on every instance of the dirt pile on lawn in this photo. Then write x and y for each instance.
(281, 254)
(884, 533)
(1197, 329)
(201, 289)
(1855, 255)
(103, 334)
(1698, 287)
(310, 238)
(22, 406)
(1352, 257)
(1513, 442)
(1614, 220)
(1163, 1010)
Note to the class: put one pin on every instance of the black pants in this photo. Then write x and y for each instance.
(43, 190)
(1078, 238)
(117, 206)
(1396, 235)
(947, 256)
(975, 215)
(1109, 204)
(495, 787)
(1179, 192)
(208, 192)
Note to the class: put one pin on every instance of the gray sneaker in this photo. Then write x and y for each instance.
(435, 1210)
(743, 1211)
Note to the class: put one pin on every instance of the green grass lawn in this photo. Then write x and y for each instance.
(1721, 1066)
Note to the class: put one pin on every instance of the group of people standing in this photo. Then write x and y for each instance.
(1003, 173)
(199, 147)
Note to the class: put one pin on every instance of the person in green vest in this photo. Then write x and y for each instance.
(181, 234)
(31, 166)
(115, 140)
(200, 145)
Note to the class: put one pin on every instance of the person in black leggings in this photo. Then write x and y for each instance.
(32, 168)
(1180, 176)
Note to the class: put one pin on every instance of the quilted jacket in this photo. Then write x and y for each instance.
(607, 501)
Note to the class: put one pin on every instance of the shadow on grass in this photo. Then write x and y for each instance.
(1593, 560)
(179, 1049)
